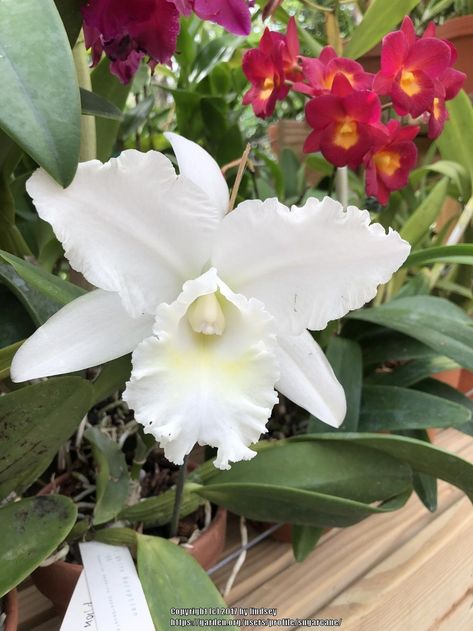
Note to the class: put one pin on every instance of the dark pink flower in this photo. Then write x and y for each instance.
(410, 67)
(344, 123)
(128, 31)
(233, 15)
(391, 159)
(269, 68)
(319, 73)
(446, 88)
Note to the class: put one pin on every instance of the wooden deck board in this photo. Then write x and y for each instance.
(405, 570)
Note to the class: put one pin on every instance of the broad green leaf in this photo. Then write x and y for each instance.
(15, 323)
(112, 377)
(455, 141)
(434, 321)
(172, 578)
(71, 17)
(453, 170)
(96, 105)
(52, 287)
(462, 253)
(34, 422)
(389, 346)
(421, 456)
(394, 408)
(39, 99)
(380, 18)
(304, 540)
(293, 482)
(412, 372)
(112, 477)
(345, 358)
(106, 85)
(6, 356)
(418, 224)
(440, 389)
(39, 306)
(31, 530)
(424, 485)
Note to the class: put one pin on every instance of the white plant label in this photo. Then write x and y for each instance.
(80, 612)
(118, 600)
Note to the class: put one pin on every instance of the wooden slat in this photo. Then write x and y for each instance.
(418, 585)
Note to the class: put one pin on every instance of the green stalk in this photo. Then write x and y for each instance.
(88, 138)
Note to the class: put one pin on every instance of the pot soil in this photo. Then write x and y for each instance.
(58, 580)
(10, 608)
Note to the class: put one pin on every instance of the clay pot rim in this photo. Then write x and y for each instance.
(460, 26)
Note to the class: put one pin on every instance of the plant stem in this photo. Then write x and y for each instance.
(341, 185)
(178, 498)
(88, 142)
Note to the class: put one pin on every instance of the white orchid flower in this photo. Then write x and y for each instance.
(214, 306)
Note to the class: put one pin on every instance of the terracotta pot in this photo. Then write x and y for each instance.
(460, 32)
(459, 378)
(58, 580)
(291, 134)
(10, 603)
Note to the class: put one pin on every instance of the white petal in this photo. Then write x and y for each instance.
(307, 265)
(212, 389)
(308, 379)
(88, 331)
(199, 166)
(131, 226)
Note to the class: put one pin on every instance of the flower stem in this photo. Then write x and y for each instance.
(178, 498)
(88, 142)
(341, 185)
(239, 176)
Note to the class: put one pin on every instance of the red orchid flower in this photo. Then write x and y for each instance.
(127, 31)
(446, 88)
(409, 68)
(269, 68)
(319, 73)
(344, 122)
(233, 15)
(389, 163)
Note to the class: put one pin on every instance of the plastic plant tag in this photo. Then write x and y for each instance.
(118, 600)
(80, 613)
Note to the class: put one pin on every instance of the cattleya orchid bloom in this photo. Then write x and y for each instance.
(215, 307)
(344, 123)
(320, 73)
(127, 31)
(409, 68)
(391, 160)
(233, 15)
(446, 88)
(270, 67)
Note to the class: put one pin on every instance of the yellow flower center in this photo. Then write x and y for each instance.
(409, 83)
(205, 315)
(346, 134)
(268, 87)
(387, 161)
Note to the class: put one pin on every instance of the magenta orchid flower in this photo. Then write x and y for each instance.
(343, 123)
(215, 307)
(233, 15)
(320, 73)
(391, 160)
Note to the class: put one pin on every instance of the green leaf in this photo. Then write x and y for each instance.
(454, 171)
(345, 358)
(95, 105)
(418, 224)
(380, 18)
(112, 477)
(462, 253)
(304, 540)
(210, 55)
(440, 389)
(424, 485)
(421, 456)
(71, 17)
(172, 578)
(39, 306)
(434, 321)
(57, 290)
(412, 372)
(295, 482)
(31, 530)
(106, 85)
(15, 323)
(6, 356)
(389, 346)
(455, 141)
(393, 408)
(39, 99)
(34, 422)
(112, 377)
